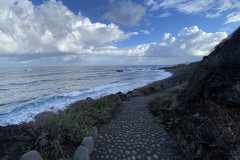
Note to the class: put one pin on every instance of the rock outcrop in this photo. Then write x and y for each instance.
(217, 78)
(44, 117)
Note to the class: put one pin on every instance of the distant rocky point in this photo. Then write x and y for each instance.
(27, 69)
(119, 70)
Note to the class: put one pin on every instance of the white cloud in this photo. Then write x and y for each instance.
(233, 17)
(50, 28)
(167, 14)
(125, 12)
(209, 8)
(150, 2)
(213, 15)
(190, 42)
(146, 32)
(52, 32)
(196, 6)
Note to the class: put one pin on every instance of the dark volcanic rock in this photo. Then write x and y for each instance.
(217, 76)
(89, 99)
(44, 117)
(119, 70)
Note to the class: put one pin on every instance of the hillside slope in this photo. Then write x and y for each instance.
(218, 76)
(210, 119)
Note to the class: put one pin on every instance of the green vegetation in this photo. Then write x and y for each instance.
(200, 133)
(57, 136)
(158, 120)
(164, 110)
(237, 87)
(150, 90)
(201, 119)
(176, 91)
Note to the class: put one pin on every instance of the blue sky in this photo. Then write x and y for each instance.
(112, 32)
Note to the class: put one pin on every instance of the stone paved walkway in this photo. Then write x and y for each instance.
(132, 135)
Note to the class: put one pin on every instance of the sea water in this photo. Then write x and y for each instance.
(25, 92)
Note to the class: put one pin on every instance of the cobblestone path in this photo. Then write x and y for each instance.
(132, 135)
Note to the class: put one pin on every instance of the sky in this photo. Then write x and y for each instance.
(112, 32)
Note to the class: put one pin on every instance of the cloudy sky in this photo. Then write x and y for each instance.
(112, 32)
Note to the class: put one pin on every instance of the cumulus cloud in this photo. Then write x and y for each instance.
(51, 31)
(210, 8)
(190, 42)
(50, 28)
(125, 12)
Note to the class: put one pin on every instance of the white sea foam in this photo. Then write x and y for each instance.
(57, 102)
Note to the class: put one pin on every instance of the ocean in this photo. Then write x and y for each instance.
(25, 92)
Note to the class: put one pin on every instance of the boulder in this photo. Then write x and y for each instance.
(94, 132)
(31, 155)
(122, 96)
(89, 99)
(43, 142)
(88, 143)
(119, 70)
(44, 116)
(81, 153)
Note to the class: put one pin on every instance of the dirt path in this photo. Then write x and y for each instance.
(132, 135)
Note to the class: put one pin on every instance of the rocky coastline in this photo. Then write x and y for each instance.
(15, 133)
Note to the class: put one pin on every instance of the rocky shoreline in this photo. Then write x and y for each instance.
(40, 135)
(12, 133)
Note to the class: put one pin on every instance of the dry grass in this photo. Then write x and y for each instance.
(207, 132)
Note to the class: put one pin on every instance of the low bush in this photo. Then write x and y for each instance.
(58, 135)
(206, 131)
(149, 90)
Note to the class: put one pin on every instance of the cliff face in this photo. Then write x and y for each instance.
(217, 78)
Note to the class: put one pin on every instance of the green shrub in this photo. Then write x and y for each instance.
(149, 90)
(65, 131)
